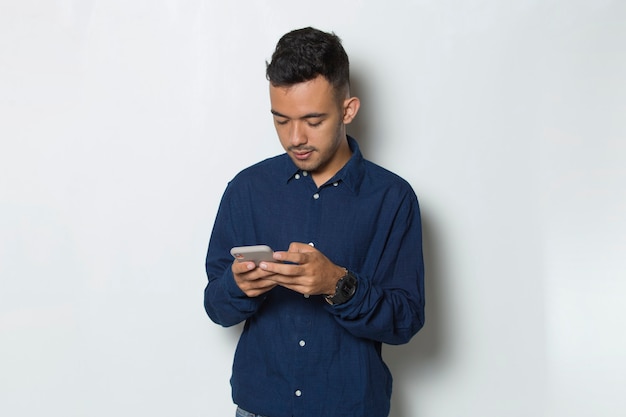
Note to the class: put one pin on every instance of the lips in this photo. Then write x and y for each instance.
(302, 155)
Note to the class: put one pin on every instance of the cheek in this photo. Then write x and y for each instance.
(282, 134)
(330, 136)
(283, 141)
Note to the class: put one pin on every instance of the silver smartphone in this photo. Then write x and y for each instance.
(254, 253)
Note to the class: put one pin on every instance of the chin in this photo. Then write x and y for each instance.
(305, 165)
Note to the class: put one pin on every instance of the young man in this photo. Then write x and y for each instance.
(348, 272)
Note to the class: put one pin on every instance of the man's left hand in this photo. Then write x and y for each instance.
(307, 270)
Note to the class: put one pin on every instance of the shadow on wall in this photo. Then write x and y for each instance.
(359, 128)
(417, 357)
(407, 361)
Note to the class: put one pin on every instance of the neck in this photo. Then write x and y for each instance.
(341, 158)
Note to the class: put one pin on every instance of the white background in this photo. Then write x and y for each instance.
(122, 121)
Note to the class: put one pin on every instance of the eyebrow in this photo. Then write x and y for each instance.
(306, 116)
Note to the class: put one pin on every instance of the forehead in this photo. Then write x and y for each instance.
(316, 95)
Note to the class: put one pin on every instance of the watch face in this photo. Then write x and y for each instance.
(346, 288)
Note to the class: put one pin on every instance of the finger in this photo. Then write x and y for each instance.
(288, 269)
(252, 276)
(242, 267)
(256, 274)
(292, 257)
(301, 247)
(256, 288)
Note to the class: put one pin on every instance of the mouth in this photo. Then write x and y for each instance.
(302, 154)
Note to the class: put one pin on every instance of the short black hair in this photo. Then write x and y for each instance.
(304, 54)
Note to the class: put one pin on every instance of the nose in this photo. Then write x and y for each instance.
(297, 134)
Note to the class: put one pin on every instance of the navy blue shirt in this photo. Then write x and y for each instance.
(297, 355)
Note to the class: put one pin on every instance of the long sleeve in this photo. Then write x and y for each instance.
(224, 301)
(389, 303)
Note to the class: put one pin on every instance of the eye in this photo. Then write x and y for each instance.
(315, 124)
(281, 121)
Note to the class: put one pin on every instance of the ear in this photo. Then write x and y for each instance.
(350, 109)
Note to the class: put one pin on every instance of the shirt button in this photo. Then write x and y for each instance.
(298, 393)
(305, 173)
(316, 196)
(302, 343)
(311, 244)
(306, 295)
(335, 184)
(297, 176)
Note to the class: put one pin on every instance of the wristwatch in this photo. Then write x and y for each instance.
(345, 289)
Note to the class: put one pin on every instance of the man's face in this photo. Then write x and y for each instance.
(310, 122)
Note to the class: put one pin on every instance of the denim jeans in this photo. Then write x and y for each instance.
(244, 413)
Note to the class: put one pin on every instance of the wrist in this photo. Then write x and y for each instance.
(345, 288)
(339, 273)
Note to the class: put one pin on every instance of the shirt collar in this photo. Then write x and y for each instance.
(351, 174)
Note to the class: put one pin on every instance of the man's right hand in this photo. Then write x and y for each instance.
(252, 279)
